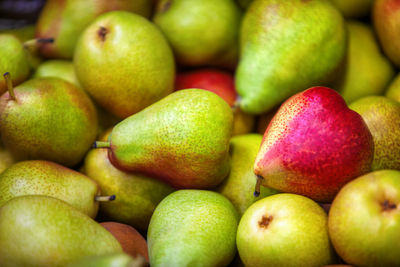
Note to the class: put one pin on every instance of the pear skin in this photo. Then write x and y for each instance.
(45, 231)
(393, 90)
(62, 69)
(182, 139)
(286, 47)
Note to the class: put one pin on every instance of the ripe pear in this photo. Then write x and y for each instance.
(62, 69)
(367, 70)
(393, 90)
(382, 116)
(45, 231)
(124, 62)
(136, 195)
(49, 119)
(187, 23)
(182, 139)
(39, 177)
(314, 145)
(65, 21)
(13, 59)
(354, 8)
(386, 20)
(193, 228)
(286, 47)
(238, 187)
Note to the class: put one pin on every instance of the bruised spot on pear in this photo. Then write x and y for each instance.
(265, 221)
(388, 205)
(102, 32)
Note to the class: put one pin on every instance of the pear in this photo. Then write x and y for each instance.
(382, 116)
(39, 177)
(182, 139)
(136, 195)
(49, 119)
(286, 47)
(13, 59)
(368, 71)
(65, 21)
(110, 260)
(62, 69)
(354, 8)
(187, 23)
(314, 145)
(23, 34)
(193, 228)
(6, 159)
(45, 231)
(238, 187)
(124, 62)
(393, 90)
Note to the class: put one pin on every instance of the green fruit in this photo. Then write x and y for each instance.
(45, 231)
(192, 228)
(110, 260)
(367, 71)
(65, 21)
(382, 116)
(187, 23)
(6, 159)
(354, 8)
(49, 119)
(284, 230)
(124, 62)
(364, 220)
(13, 59)
(136, 195)
(238, 187)
(393, 91)
(39, 177)
(62, 69)
(286, 47)
(183, 139)
(23, 34)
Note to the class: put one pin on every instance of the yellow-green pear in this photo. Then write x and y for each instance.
(62, 69)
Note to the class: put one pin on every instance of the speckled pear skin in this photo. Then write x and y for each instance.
(238, 187)
(14, 60)
(65, 20)
(50, 120)
(136, 195)
(382, 116)
(182, 139)
(127, 66)
(314, 145)
(39, 177)
(51, 233)
(286, 47)
(174, 238)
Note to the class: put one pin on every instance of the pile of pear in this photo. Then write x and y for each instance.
(201, 133)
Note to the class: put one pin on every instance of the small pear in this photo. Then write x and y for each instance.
(182, 139)
(238, 187)
(39, 177)
(6, 159)
(382, 116)
(45, 231)
(393, 90)
(62, 69)
(49, 119)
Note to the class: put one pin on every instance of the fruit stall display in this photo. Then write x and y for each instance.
(199, 133)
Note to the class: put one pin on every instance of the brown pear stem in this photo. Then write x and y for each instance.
(101, 144)
(236, 105)
(10, 88)
(104, 198)
(35, 42)
(258, 186)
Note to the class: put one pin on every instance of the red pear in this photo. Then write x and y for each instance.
(314, 145)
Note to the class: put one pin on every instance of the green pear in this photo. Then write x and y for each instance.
(354, 8)
(367, 71)
(182, 139)
(364, 220)
(13, 59)
(49, 119)
(187, 23)
(284, 230)
(65, 20)
(6, 159)
(238, 187)
(23, 34)
(382, 116)
(393, 90)
(39, 177)
(111, 260)
(62, 69)
(45, 231)
(136, 195)
(286, 47)
(193, 228)
(124, 62)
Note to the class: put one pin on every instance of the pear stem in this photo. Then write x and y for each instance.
(258, 186)
(236, 105)
(104, 198)
(10, 88)
(35, 42)
(101, 144)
